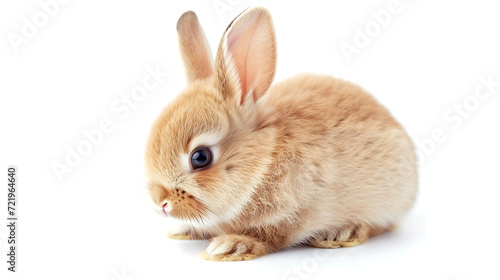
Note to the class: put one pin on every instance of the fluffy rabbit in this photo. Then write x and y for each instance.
(311, 160)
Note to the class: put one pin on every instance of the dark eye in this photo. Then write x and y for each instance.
(201, 157)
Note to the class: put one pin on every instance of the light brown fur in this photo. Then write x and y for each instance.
(311, 160)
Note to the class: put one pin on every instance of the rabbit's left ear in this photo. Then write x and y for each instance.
(246, 59)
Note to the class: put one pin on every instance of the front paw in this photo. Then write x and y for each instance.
(183, 233)
(226, 248)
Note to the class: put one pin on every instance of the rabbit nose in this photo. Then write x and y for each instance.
(164, 208)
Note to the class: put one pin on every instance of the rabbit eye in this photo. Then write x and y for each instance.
(201, 157)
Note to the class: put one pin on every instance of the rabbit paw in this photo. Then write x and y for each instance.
(226, 248)
(345, 237)
(183, 233)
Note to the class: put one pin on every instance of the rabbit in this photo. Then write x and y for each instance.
(312, 160)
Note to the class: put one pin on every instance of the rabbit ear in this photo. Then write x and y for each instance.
(194, 48)
(246, 58)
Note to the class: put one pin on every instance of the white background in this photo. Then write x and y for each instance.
(97, 222)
